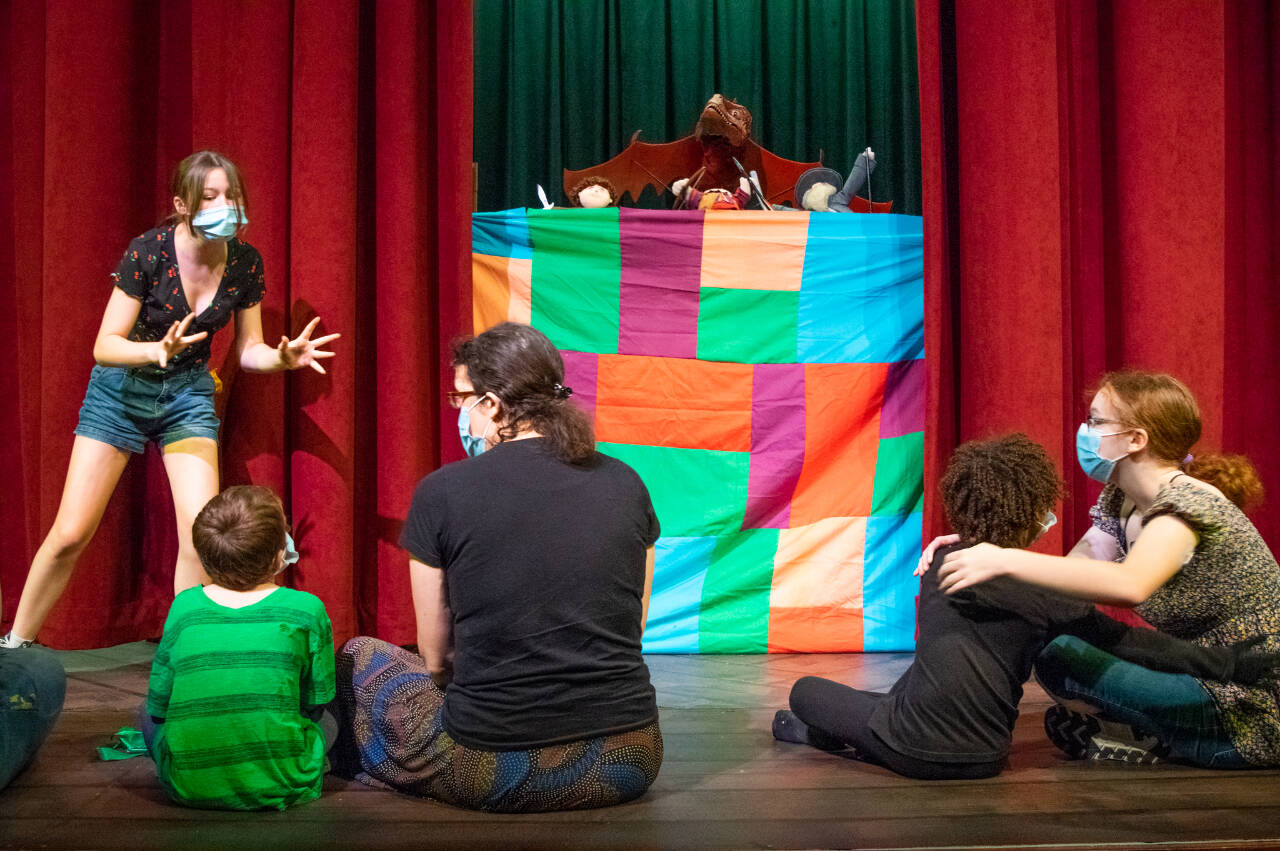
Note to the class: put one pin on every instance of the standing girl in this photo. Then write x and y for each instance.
(175, 286)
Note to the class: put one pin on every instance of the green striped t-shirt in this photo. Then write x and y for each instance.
(232, 686)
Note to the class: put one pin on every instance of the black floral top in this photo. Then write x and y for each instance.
(1228, 591)
(149, 272)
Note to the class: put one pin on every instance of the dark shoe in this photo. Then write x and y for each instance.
(1082, 736)
(787, 727)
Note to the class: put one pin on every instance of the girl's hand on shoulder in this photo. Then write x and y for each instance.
(174, 341)
(971, 566)
(926, 558)
(303, 351)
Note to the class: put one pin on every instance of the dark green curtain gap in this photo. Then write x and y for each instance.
(564, 83)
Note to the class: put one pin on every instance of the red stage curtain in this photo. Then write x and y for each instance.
(1100, 190)
(352, 124)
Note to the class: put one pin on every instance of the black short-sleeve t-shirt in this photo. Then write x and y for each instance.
(544, 564)
(149, 272)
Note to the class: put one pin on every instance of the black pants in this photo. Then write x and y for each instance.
(843, 712)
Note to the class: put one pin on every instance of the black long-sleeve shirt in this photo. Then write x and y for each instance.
(959, 699)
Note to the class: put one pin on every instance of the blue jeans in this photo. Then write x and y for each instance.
(1175, 708)
(126, 408)
(32, 688)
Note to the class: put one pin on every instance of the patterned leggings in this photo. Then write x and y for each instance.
(393, 708)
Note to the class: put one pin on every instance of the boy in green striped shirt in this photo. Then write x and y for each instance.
(244, 669)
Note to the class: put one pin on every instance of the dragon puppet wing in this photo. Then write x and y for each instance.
(777, 175)
(643, 164)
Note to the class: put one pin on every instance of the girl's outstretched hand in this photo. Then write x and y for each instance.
(174, 340)
(303, 351)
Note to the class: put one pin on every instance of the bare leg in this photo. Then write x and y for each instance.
(192, 465)
(92, 475)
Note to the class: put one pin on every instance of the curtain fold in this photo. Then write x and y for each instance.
(352, 126)
(564, 84)
(1100, 191)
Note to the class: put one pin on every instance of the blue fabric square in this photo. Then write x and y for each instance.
(501, 234)
(862, 292)
(675, 604)
(892, 548)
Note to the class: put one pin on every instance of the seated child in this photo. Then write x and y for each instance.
(951, 714)
(33, 686)
(244, 669)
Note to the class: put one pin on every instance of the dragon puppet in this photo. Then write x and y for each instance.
(723, 133)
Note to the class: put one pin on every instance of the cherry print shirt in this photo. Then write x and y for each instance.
(149, 272)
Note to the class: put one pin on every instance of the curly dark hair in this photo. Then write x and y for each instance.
(520, 365)
(998, 490)
(594, 180)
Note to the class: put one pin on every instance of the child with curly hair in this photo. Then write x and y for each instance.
(951, 714)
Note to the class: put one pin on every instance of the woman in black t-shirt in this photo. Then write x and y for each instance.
(175, 286)
(530, 564)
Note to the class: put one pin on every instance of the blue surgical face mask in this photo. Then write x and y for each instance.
(290, 554)
(472, 444)
(219, 222)
(1050, 520)
(1094, 465)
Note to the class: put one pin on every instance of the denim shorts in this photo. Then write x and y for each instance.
(126, 408)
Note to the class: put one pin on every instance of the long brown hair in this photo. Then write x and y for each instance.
(1165, 409)
(520, 365)
(188, 185)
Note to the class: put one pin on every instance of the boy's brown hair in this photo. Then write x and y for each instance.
(999, 490)
(238, 535)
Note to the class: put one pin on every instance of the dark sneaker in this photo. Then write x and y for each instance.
(1082, 736)
(787, 727)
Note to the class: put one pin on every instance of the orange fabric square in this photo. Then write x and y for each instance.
(673, 402)
(815, 630)
(841, 436)
(490, 291)
(820, 565)
(753, 249)
(520, 284)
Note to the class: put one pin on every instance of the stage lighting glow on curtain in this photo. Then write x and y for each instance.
(764, 374)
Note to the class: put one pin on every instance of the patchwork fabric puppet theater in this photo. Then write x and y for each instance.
(763, 372)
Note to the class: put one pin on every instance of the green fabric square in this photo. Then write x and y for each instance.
(899, 487)
(735, 593)
(577, 277)
(747, 326)
(695, 492)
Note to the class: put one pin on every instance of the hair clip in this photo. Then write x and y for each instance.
(561, 391)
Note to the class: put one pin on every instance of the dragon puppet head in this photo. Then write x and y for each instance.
(725, 118)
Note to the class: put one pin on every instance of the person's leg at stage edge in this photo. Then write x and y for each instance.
(92, 475)
(33, 686)
(1118, 710)
(838, 712)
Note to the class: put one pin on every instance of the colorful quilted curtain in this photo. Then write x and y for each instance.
(764, 374)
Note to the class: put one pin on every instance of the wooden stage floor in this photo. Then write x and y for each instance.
(725, 784)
